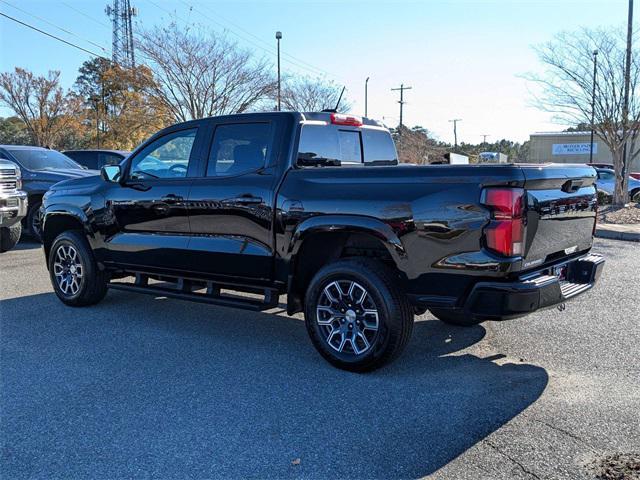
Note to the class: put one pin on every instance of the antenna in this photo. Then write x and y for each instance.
(122, 50)
(339, 99)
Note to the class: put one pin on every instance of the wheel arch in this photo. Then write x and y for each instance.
(323, 239)
(57, 220)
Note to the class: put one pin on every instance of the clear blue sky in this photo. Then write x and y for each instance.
(462, 58)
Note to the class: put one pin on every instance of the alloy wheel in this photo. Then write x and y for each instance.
(68, 270)
(348, 317)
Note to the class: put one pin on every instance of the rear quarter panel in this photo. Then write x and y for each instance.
(433, 210)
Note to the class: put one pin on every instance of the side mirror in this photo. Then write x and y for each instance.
(111, 173)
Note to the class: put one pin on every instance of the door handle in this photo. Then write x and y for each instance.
(171, 198)
(247, 200)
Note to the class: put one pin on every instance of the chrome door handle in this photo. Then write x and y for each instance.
(247, 200)
(171, 198)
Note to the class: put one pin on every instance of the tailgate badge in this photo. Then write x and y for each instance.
(571, 250)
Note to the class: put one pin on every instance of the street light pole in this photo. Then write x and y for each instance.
(593, 103)
(366, 87)
(278, 37)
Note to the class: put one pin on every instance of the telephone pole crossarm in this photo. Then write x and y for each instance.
(401, 89)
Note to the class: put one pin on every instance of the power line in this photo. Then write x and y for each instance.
(52, 36)
(247, 40)
(54, 25)
(85, 15)
(268, 48)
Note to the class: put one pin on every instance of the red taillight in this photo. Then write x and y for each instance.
(505, 233)
(341, 119)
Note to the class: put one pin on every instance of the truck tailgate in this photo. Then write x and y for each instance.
(561, 210)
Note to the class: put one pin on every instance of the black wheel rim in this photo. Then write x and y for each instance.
(347, 317)
(68, 270)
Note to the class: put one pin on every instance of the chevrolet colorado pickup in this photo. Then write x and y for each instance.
(13, 205)
(239, 210)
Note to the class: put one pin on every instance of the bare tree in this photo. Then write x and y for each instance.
(40, 103)
(201, 74)
(567, 87)
(306, 94)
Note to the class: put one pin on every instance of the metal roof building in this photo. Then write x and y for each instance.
(570, 147)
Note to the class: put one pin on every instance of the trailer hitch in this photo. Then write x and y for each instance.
(561, 307)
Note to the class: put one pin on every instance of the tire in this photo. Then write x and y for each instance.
(452, 317)
(9, 237)
(369, 321)
(634, 196)
(34, 222)
(73, 270)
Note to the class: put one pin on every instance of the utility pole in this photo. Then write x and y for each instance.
(455, 131)
(593, 102)
(366, 88)
(122, 51)
(625, 106)
(402, 88)
(278, 37)
(484, 138)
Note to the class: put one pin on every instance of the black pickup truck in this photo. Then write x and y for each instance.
(239, 210)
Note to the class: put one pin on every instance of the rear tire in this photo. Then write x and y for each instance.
(9, 237)
(634, 196)
(73, 270)
(356, 316)
(452, 317)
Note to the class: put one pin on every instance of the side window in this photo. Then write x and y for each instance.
(378, 146)
(239, 148)
(605, 175)
(167, 157)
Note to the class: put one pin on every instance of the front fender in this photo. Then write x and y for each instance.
(350, 224)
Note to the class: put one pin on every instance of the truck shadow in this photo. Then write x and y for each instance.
(172, 389)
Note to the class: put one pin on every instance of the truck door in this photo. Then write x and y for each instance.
(150, 208)
(231, 204)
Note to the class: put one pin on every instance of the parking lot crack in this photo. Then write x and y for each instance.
(566, 432)
(511, 459)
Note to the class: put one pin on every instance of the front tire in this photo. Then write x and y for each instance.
(9, 237)
(356, 316)
(74, 273)
(34, 221)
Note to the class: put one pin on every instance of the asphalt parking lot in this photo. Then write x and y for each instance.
(149, 387)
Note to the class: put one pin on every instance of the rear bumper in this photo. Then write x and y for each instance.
(531, 292)
(13, 207)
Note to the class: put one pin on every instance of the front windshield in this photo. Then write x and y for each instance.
(37, 159)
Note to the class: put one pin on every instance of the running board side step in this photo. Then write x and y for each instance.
(183, 291)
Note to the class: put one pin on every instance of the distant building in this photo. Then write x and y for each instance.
(570, 147)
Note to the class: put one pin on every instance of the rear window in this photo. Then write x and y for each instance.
(348, 145)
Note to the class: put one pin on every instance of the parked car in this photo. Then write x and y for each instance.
(609, 166)
(607, 182)
(314, 206)
(96, 159)
(13, 205)
(41, 168)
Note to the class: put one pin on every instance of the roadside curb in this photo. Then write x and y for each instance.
(629, 233)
